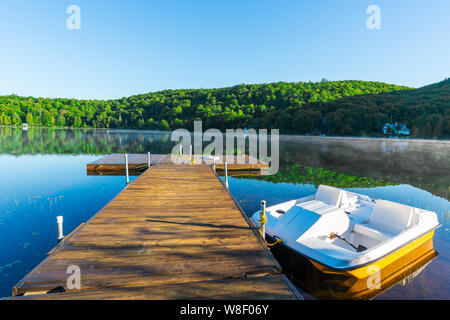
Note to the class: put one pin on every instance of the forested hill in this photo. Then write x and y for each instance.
(327, 107)
(426, 111)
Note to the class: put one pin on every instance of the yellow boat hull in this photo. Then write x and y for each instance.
(361, 283)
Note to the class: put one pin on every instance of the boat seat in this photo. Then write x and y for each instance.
(335, 197)
(329, 195)
(348, 200)
(371, 233)
(387, 220)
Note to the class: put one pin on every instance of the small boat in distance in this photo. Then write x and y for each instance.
(345, 233)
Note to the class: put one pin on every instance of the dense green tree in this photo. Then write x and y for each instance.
(60, 120)
(4, 119)
(29, 119)
(16, 120)
(77, 122)
(164, 125)
(49, 119)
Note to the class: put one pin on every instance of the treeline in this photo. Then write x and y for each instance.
(304, 108)
(239, 106)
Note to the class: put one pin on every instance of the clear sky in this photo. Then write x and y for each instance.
(137, 46)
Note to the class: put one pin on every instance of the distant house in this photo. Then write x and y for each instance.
(398, 129)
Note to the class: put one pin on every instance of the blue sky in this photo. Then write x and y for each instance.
(137, 46)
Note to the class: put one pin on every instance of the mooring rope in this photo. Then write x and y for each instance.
(262, 222)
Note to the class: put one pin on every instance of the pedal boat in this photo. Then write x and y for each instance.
(345, 233)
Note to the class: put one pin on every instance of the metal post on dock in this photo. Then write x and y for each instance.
(149, 162)
(126, 168)
(214, 164)
(59, 221)
(263, 217)
(226, 173)
(190, 152)
(181, 149)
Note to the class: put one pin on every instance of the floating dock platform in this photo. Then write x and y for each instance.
(139, 162)
(175, 232)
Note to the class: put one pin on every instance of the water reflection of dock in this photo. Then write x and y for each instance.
(173, 233)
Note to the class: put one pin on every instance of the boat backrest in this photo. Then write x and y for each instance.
(391, 216)
(329, 195)
(348, 200)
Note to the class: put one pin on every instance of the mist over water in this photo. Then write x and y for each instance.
(43, 175)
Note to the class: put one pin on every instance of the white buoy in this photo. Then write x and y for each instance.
(59, 221)
(149, 162)
(126, 168)
(226, 173)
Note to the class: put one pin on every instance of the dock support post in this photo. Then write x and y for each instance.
(226, 173)
(214, 164)
(190, 152)
(126, 168)
(181, 149)
(149, 162)
(59, 221)
(263, 217)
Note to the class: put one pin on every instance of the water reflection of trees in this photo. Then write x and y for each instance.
(79, 141)
(364, 163)
(298, 174)
(423, 164)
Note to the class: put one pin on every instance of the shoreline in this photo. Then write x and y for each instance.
(361, 138)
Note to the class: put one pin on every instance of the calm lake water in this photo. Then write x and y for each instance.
(43, 175)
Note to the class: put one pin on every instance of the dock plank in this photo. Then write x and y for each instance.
(174, 232)
(255, 288)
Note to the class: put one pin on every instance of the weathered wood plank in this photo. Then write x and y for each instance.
(255, 288)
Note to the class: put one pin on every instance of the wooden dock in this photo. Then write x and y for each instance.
(174, 233)
(139, 162)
